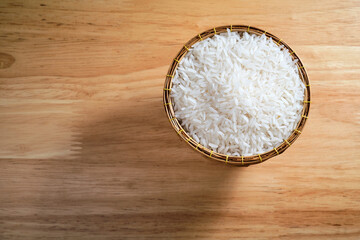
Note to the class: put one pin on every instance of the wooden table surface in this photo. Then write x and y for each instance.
(86, 150)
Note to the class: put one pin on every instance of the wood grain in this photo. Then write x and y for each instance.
(86, 151)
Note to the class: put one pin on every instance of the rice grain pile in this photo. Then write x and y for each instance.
(238, 94)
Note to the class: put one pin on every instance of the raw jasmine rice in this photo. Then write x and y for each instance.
(238, 94)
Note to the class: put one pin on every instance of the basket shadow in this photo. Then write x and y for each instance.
(153, 184)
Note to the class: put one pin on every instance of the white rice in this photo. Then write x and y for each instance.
(238, 95)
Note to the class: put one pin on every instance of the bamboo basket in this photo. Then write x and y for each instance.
(234, 160)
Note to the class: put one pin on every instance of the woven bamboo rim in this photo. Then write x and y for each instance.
(234, 160)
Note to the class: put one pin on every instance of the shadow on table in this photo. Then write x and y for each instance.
(148, 183)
